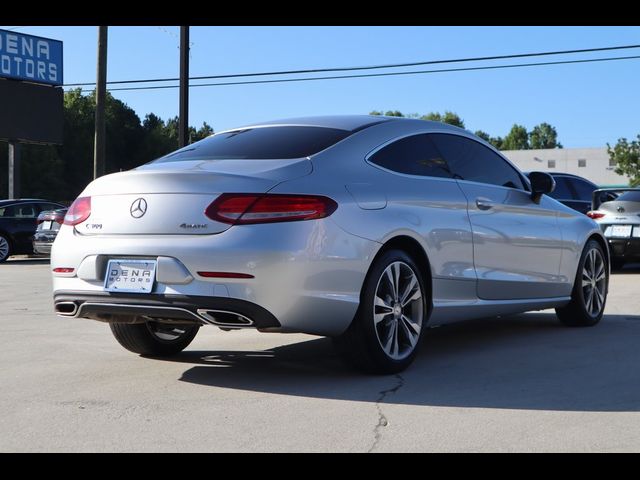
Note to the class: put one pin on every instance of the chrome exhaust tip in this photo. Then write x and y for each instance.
(224, 318)
(66, 309)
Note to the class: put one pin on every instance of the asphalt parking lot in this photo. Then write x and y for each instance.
(522, 383)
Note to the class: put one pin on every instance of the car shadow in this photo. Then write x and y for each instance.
(27, 261)
(526, 361)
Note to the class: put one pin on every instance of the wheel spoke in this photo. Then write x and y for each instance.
(411, 324)
(396, 349)
(396, 284)
(411, 336)
(408, 290)
(590, 301)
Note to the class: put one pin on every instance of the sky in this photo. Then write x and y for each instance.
(589, 104)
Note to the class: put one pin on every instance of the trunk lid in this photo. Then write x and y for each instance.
(170, 198)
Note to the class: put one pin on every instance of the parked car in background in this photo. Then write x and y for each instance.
(362, 228)
(617, 211)
(573, 191)
(49, 222)
(18, 222)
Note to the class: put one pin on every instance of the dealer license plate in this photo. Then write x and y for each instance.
(131, 276)
(620, 231)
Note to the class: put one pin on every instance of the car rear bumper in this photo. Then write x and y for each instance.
(131, 308)
(306, 275)
(42, 248)
(624, 248)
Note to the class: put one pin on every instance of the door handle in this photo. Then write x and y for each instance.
(484, 203)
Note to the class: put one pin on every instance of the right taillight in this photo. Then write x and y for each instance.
(595, 215)
(250, 208)
(78, 212)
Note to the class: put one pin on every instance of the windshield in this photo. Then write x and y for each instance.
(265, 143)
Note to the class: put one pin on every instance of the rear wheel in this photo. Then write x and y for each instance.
(589, 290)
(5, 248)
(154, 338)
(385, 334)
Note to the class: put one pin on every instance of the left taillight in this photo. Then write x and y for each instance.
(78, 212)
(250, 208)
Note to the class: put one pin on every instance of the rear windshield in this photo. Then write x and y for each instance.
(629, 197)
(265, 143)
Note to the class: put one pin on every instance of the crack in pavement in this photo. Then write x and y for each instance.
(382, 419)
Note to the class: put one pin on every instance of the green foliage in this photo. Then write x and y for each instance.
(448, 117)
(544, 136)
(61, 172)
(516, 139)
(495, 141)
(626, 156)
(541, 136)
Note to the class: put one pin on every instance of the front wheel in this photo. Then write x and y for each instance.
(154, 338)
(385, 334)
(589, 290)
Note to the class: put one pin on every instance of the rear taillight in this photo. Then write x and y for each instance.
(595, 215)
(247, 208)
(58, 218)
(78, 212)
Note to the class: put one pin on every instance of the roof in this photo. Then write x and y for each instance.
(341, 122)
(11, 201)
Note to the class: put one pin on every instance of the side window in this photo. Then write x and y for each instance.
(562, 190)
(26, 210)
(584, 190)
(470, 160)
(415, 155)
(8, 212)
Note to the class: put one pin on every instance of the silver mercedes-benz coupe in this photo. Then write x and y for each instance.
(366, 229)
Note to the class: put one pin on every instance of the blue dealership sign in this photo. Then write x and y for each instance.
(30, 58)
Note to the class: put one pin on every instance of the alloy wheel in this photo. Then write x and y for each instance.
(398, 310)
(594, 279)
(4, 248)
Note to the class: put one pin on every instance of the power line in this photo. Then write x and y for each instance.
(371, 67)
(387, 74)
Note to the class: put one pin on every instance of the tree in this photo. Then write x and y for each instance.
(388, 113)
(626, 156)
(448, 117)
(61, 172)
(544, 136)
(495, 141)
(516, 139)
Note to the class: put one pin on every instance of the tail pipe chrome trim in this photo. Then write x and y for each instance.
(225, 318)
(66, 309)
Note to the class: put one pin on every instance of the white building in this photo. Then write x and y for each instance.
(590, 163)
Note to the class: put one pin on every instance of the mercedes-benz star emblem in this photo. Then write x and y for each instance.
(138, 208)
(620, 209)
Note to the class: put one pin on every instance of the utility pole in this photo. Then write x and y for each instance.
(14, 168)
(183, 123)
(101, 87)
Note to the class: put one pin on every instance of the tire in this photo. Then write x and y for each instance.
(5, 248)
(154, 338)
(384, 337)
(589, 297)
(617, 264)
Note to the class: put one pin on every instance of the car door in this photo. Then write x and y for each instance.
(516, 242)
(422, 193)
(24, 220)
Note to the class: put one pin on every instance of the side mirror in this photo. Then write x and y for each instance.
(541, 183)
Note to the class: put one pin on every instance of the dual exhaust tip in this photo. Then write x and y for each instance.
(220, 318)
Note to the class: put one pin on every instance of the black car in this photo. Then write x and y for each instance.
(18, 224)
(573, 191)
(49, 222)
